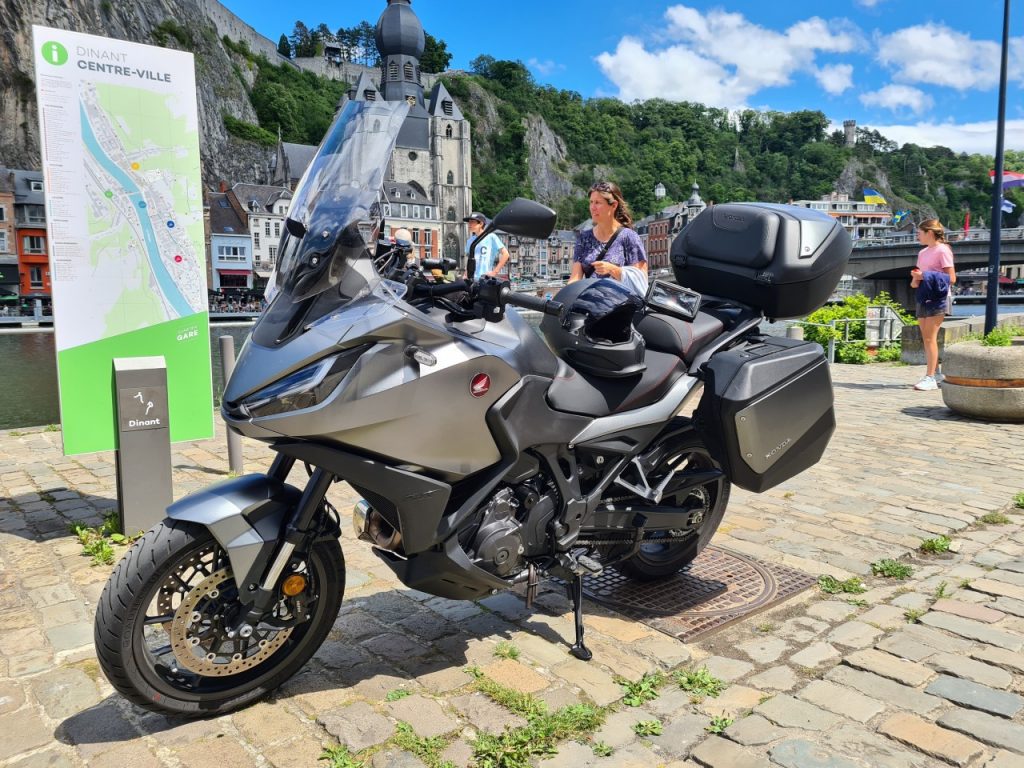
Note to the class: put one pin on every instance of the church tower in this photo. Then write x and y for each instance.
(430, 174)
(400, 41)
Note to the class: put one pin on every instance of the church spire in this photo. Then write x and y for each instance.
(401, 42)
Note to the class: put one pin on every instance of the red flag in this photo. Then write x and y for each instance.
(967, 223)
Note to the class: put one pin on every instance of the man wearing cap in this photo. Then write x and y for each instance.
(491, 253)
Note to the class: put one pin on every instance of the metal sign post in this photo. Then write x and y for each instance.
(143, 455)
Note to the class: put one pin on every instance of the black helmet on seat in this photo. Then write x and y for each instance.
(597, 336)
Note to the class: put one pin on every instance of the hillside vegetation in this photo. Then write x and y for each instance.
(735, 156)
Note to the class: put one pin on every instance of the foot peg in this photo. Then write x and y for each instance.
(590, 565)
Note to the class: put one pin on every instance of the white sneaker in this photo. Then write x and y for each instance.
(927, 383)
(939, 377)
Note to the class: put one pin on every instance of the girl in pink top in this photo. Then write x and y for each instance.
(936, 256)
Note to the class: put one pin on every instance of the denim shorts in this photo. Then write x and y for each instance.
(935, 309)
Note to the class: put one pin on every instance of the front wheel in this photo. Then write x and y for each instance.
(162, 635)
(658, 559)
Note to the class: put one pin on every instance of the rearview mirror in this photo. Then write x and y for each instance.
(525, 218)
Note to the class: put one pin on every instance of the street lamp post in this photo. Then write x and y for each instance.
(992, 299)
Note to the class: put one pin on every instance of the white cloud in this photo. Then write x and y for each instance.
(934, 54)
(899, 98)
(721, 58)
(868, 3)
(835, 78)
(973, 138)
(545, 67)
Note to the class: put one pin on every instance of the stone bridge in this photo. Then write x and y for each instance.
(888, 265)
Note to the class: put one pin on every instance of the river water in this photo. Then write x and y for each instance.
(29, 368)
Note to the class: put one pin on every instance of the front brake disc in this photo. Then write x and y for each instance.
(200, 641)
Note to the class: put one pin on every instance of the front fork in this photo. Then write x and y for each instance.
(299, 531)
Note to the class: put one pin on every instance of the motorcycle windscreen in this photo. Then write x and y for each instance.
(332, 226)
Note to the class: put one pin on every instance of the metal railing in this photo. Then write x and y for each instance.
(907, 238)
(887, 331)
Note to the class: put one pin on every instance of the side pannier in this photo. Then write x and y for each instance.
(781, 259)
(767, 409)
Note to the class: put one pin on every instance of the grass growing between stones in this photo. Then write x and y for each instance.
(640, 691)
(516, 747)
(1018, 500)
(426, 749)
(941, 591)
(718, 724)
(398, 693)
(892, 569)
(994, 518)
(830, 585)
(936, 546)
(602, 750)
(700, 682)
(338, 756)
(647, 728)
(913, 614)
(98, 542)
(506, 650)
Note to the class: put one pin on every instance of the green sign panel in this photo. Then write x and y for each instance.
(120, 152)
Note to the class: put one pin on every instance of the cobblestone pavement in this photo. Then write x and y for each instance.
(920, 672)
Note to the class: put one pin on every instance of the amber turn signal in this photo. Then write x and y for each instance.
(294, 585)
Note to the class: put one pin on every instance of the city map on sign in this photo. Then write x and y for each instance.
(144, 208)
(120, 143)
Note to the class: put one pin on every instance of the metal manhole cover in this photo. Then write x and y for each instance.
(716, 589)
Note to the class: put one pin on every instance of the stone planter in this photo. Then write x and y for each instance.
(984, 382)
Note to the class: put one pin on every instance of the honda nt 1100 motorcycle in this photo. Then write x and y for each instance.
(489, 456)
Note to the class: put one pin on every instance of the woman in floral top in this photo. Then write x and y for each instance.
(612, 218)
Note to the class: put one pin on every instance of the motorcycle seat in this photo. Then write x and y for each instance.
(673, 336)
(574, 392)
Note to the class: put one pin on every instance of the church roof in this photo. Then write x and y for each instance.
(401, 192)
(364, 89)
(442, 104)
(299, 157)
(399, 31)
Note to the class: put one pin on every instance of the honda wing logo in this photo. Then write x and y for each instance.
(480, 385)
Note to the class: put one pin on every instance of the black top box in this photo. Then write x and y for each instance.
(781, 259)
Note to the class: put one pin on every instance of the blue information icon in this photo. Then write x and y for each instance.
(170, 225)
(142, 203)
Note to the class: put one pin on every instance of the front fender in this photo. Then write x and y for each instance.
(246, 515)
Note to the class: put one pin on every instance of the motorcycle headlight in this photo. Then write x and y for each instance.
(305, 388)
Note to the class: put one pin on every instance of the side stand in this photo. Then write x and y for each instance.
(578, 649)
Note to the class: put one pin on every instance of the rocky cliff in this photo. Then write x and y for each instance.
(548, 162)
(180, 24)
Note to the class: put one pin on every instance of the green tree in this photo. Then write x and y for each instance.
(276, 109)
(284, 47)
(302, 41)
(435, 56)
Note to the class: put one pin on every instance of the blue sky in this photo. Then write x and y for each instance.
(926, 73)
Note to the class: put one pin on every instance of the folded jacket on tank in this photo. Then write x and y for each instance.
(933, 289)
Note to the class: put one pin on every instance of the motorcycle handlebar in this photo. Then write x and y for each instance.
(441, 289)
(546, 306)
(443, 264)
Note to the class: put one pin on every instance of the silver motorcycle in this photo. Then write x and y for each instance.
(488, 455)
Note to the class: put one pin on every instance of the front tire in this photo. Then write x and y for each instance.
(160, 624)
(658, 560)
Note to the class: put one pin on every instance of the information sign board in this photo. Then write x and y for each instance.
(120, 143)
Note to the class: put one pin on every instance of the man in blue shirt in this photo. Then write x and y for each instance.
(491, 253)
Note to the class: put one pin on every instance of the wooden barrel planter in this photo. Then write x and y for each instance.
(984, 382)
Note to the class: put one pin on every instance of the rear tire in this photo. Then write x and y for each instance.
(657, 560)
(159, 629)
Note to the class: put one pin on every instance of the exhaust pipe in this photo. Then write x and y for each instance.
(370, 525)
